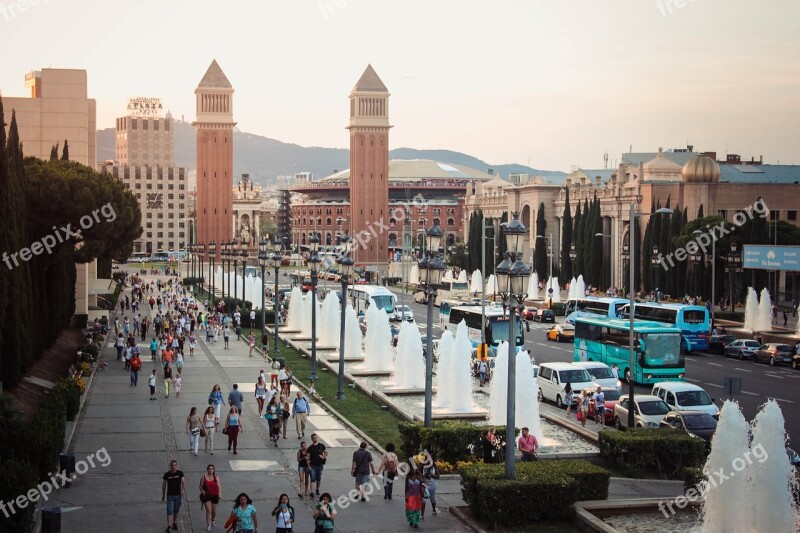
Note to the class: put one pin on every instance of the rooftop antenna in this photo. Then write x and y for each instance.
(605, 159)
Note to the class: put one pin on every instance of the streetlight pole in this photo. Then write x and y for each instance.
(277, 258)
(245, 253)
(223, 256)
(235, 253)
(632, 304)
(512, 278)
(212, 253)
(345, 271)
(654, 263)
(431, 269)
(313, 260)
(626, 257)
(263, 259)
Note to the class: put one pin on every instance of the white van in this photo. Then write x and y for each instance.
(553, 376)
(685, 397)
(601, 374)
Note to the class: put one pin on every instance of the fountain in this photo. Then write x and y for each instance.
(330, 322)
(462, 276)
(413, 276)
(296, 315)
(764, 322)
(533, 287)
(445, 389)
(580, 287)
(305, 326)
(491, 286)
(377, 344)
(552, 283)
(448, 275)
(352, 335)
(526, 401)
(476, 285)
(751, 310)
(409, 367)
(571, 292)
(454, 379)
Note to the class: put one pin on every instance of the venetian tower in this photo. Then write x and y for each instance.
(214, 126)
(369, 168)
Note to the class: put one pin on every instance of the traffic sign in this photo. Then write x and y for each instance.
(550, 290)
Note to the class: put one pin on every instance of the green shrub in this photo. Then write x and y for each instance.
(692, 477)
(548, 489)
(663, 451)
(19, 476)
(737, 316)
(70, 393)
(193, 280)
(447, 440)
(45, 432)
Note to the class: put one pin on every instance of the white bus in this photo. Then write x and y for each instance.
(594, 308)
(360, 295)
(452, 290)
(496, 324)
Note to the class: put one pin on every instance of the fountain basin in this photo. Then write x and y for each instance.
(346, 359)
(358, 373)
(440, 414)
(638, 515)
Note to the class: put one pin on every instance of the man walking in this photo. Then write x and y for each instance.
(317, 454)
(172, 488)
(362, 465)
(300, 411)
(235, 397)
(528, 445)
(136, 365)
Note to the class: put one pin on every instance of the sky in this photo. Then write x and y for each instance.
(553, 84)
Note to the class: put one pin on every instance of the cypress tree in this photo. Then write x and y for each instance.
(54, 152)
(65, 153)
(502, 248)
(540, 253)
(586, 242)
(700, 212)
(566, 240)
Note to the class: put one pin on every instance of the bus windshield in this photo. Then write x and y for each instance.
(384, 302)
(662, 350)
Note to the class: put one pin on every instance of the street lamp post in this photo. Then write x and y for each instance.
(431, 270)
(222, 260)
(626, 257)
(235, 253)
(733, 266)
(629, 375)
(654, 263)
(212, 253)
(263, 260)
(695, 259)
(245, 253)
(345, 271)
(277, 257)
(573, 254)
(201, 250)
(512, 279)
(550, 265)
(313, 261)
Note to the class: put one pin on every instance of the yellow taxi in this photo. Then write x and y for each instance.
(561, 332)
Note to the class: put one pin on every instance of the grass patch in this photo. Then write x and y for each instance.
(359, 408)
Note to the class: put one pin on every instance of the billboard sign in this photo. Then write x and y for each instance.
(768, 257)
(142, 106)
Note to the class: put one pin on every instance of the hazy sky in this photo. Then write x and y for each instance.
(553, 82)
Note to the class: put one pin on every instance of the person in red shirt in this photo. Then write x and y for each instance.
(528, 445)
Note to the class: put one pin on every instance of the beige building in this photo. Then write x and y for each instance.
(57, 107)
(143, 137)
(249, 204)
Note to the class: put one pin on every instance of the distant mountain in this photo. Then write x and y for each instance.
(265, 158)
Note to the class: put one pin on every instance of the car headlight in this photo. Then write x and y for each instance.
(619, 384)
(652, 424)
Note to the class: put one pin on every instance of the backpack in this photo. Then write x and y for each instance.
(391, 464)
(136, 363)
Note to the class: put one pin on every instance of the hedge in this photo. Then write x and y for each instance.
(549, 489)
(196, 280)
(69, 391)
(737, 316)
(18, 477)
(447, 440)
(658, 450)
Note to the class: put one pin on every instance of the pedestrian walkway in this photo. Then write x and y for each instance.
(142, 436)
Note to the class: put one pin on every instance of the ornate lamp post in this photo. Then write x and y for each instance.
(201, 250)
(512, 279)
(345, 271)
(263, 260)
(275, 259)
(235, 254)
(245, 252)
(654, 263)
(734, 265)
(212, 253)
(313, 262)
(223, 257)
(431, 270)
(626, 256)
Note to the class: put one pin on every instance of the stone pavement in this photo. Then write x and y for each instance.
(142, 436)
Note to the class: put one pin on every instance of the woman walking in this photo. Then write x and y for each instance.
(233, 426)
(324, 515)
(286, 412)
(193, 426)
(243, 516)
(304, 470)
(192, 344)
(284, 515)
(429, 476)
(261, 394)
(167, 377)
(251, 342)
(209, 424)
(414, 492)
(273, 419)
(568, 397)
(210, 493)
(389, 468)
(216, 400)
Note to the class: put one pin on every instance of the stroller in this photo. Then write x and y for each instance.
(274, 430)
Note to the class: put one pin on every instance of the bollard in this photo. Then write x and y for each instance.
(51, 520)
(66, 465)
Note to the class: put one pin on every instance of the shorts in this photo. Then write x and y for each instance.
(482, 375)
(152, 389)
(173, 504)
(316, 472)
(362, 479)
(303, 469)
(206, 498)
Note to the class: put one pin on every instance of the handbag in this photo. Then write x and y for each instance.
(225, 430)
(285, 414)
(202, 432)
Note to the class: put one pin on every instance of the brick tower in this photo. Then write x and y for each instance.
(369, 168)
(214, 127)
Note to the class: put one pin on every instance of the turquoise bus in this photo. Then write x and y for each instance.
(657, 357)
(593, 306)
(692, 320)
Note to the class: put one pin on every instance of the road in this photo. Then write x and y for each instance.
(759, 382)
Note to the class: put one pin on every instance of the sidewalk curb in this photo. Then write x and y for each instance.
(463, 518)
(70, 433)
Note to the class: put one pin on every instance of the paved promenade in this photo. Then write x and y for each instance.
(142, 436)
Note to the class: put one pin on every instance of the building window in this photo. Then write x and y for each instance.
(723, 214)
(149, 215)
(171, 235)
(170, 206)
(145, 124)
(180, 187)
(181, 235)
(160, 215)
(149, 225)
(155, 125)
(791, 215)
(181, 206)
(451, 222)
(149, 234)
(181, 225)
(160, 186)
(774, 215)
(160, 225)
(137, 185)
(160, 234)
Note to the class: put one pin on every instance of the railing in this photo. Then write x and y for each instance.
(428, 184)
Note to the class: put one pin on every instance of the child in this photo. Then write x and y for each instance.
(179, 360)
(178, 381)
(152, 383)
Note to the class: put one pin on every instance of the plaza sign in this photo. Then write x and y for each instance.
(141, 106)
(767, 257)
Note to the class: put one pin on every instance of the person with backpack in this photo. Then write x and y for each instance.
(388, 467)
(136, 365)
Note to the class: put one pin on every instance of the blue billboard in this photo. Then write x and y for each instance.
(767, 257)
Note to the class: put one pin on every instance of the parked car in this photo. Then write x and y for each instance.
(403, 312)
(717, 343)
(694, 423)
(529, 312)
(648, 412)
(601, 374)
(561, 332)
(553, 376)
(796, 361)
(742, 348)
(611, 397)
(774, 353)
(545, 315)
(680, 396)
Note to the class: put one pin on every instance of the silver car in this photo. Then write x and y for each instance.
(742, 348)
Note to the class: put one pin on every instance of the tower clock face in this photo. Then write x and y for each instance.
(155, 200)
